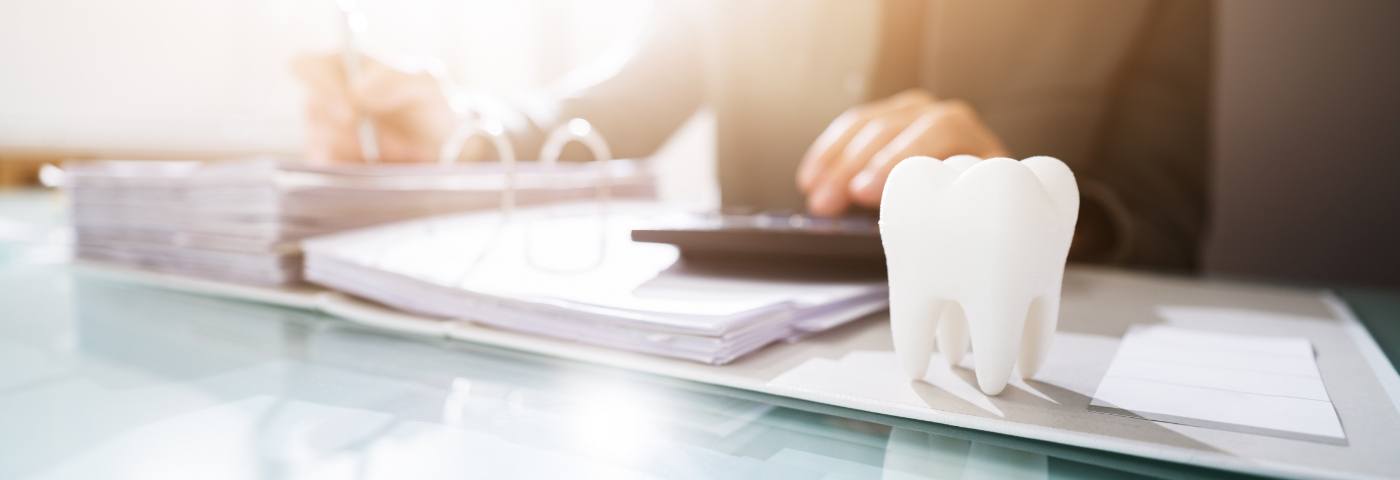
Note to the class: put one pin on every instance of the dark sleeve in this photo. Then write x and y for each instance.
(635, 97)
(1145, 196)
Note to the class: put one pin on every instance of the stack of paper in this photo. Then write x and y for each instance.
(568, 272)
(212, 220)
(333, 198)
(242, 220)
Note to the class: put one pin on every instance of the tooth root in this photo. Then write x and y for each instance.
(996, 322)
(1039, 334)
(913, 323)
(952, 334)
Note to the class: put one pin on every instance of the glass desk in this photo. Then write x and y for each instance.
(100, 379)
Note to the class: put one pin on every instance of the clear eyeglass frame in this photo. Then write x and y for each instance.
(575, 130)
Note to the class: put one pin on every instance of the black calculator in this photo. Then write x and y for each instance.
(772, 237)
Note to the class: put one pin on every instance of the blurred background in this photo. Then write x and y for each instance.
(166, 77)
(1306, 128)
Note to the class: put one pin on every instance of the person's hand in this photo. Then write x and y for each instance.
(410, 111)
(849, 162)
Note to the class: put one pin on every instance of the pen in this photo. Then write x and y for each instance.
(353, 25)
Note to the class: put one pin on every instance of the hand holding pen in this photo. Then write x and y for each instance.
(361, 110)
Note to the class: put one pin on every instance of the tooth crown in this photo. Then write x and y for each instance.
(976, 251)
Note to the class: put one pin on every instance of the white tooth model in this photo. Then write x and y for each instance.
(977, 247)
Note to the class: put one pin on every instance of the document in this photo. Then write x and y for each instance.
(242, 220)
(1247, 383)
(570, 271)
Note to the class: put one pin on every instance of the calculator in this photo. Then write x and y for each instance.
(772, 237)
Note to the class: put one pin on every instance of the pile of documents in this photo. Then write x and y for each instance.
(209, 220)
(243, 220)
(572, 272)
(564, 267)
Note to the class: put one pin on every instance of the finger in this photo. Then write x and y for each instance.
(328, 122)
(383, 89)
(330, 145)
(870, 139)
(833, 140)
(377, 88)
(397, 146)
(945, 130)
(328, 112)
(321, 73)
(867, 187)
(328, 106)
(830, 196)
(828, 146)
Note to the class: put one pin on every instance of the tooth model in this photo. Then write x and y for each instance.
(977, 248)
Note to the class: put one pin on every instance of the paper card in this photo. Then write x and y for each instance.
(1246, 383)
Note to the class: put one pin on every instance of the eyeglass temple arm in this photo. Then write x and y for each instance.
(495, 133)
(580, 130)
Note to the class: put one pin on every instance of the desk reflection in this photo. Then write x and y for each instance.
(160, 384)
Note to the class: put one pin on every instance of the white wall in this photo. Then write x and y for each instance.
(211, 75)
(154, 74)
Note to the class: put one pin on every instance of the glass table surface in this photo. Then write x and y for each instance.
(100, 379)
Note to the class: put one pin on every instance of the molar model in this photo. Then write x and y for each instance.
(977, 248)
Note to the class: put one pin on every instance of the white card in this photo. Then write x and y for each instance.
(1246, 383)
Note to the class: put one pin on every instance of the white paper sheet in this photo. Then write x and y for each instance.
(634, 296)
(1246, 383)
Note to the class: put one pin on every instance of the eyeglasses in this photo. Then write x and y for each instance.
(494, 133)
